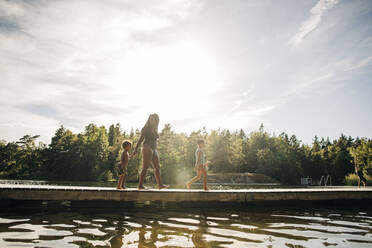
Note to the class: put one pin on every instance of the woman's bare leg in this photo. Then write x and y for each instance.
(146, 160)
(194, 179)
(156, 165)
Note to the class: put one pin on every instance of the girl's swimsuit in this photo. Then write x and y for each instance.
(360, 175)
(202, 157)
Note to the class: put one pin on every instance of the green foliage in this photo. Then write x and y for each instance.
(94, 154)
(171, 151)
(352, 180)
(21, 159)
(362, 154)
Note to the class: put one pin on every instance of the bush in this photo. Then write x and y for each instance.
(352, 180)
(106, 176)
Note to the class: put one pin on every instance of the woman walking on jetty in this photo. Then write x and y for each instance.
(149, 136)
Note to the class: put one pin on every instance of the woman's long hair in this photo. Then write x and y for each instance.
(148, 125)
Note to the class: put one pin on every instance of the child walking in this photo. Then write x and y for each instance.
(122, 166)
(200, 165)
(359, 173)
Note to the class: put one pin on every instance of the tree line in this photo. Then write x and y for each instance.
(94, 153)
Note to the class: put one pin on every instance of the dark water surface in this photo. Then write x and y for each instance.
(149, 226)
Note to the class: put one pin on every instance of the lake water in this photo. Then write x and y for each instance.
(295, 226)
(185, 227)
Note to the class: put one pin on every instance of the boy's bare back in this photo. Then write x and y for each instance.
(124, 159)
(122, 167)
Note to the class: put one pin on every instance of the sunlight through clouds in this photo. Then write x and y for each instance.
(195, 63)
(79, 57)
(181, 69)
(175, 81)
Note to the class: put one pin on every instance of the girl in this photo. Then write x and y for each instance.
(200, 165)
(359, 173)
(149, 136)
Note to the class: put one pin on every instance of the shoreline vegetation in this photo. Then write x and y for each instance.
(352, 180)
(92, 155)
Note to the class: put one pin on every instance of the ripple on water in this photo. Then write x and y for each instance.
(31, 233)
(91, 231)
(132, 224)
(351, 224)
(131, 239)
(86, 223)
(99, 220)
(236, 235)
(67, 242)
(218, 241)
(310, 218)
(7, 221)
(218, 218)
(185, 220)
(197, 228)
(178, 226)
(174, 241)
(62, 225)
(79, 222)
(41, 230)
(243, 226)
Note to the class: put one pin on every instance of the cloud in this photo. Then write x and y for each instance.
(255, 112)
(364, 62)
(11, 9)
(323, 79)
(195, 63)
(237, 105)
(65, 62)
(316, 14)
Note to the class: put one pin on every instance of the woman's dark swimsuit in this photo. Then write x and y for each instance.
(150, 138)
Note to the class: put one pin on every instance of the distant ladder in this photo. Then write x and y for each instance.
(325, 179)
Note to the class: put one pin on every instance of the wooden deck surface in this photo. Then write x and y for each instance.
(74, 193)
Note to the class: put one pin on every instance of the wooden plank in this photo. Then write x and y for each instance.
(73, 193)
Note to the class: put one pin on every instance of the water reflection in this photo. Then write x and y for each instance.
(149, 227)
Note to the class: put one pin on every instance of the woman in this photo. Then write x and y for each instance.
(149, 136)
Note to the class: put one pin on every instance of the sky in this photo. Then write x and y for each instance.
(303, 67)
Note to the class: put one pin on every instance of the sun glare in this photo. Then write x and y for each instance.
(172, 80)
(174, 70)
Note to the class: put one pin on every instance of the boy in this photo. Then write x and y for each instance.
(200, 165)
(122, 166)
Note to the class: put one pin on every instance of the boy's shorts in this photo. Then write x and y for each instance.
(121, 169)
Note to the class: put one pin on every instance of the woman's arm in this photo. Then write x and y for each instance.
(139, 142)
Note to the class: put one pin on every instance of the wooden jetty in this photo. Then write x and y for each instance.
(73, 193)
